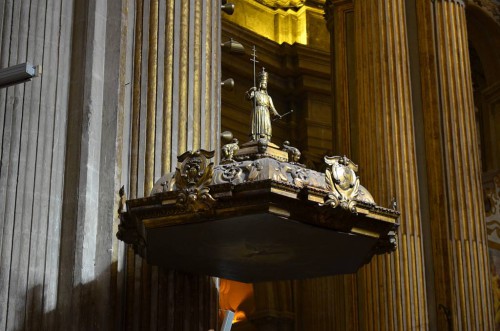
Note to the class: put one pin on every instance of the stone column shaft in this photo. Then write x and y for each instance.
(464, 243)
(391, 289)
(175, 108)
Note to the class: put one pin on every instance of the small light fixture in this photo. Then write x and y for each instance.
(19, 73)
(226, 136)
(233, 46)
(227, 8)
(228, 84)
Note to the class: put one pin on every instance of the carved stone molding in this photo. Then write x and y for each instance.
(282, 4)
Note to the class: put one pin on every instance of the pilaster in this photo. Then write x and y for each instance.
(175, 107)
(339, 15)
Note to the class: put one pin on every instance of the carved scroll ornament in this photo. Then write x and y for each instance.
(192, 179)
(342, 182)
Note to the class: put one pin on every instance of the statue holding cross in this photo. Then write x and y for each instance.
(263, 107)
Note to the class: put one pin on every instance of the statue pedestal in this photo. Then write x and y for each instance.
(261, 148)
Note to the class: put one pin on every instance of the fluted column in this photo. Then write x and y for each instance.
(175, 107)
(326, 303)
(33, 119)
(337, 292)
(391, 289)
(58, 176)
(273, 306)
(463, 244)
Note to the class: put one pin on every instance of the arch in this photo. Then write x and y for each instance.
(484, 36)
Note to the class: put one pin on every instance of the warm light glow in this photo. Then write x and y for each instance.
(237, 297)
(239, 316)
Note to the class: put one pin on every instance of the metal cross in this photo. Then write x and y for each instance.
(254, 60)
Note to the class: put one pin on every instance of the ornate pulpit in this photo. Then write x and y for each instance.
(259, 215)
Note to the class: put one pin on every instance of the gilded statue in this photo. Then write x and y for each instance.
(262, 109)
